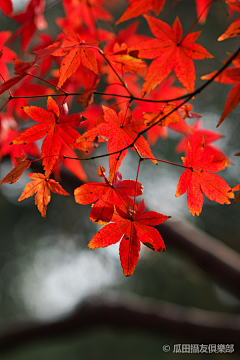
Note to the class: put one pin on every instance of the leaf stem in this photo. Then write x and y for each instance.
(167, 162)
(135, 193)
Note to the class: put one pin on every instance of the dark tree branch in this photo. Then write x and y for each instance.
(131, 312)
(217, 259)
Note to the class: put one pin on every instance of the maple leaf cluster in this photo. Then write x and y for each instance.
(104, 70)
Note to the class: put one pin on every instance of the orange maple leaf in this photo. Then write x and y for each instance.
(198, 177)
(170, 52)
(54, 123)
(41, 186)
(132, 227)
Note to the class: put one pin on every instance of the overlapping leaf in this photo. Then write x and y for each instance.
(164, 117)
(230, 75)
(166, 90)
(17, 150)
(106, 195)
(74, 51)
(125, 62)
(8, 55)
(57, 127)
(120, 131)
(193, 133)
(132, 227)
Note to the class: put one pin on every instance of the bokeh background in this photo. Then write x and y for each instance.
(46, 269)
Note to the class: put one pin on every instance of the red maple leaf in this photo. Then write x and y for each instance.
(170, 52)
(120, 131)
(75, 167)
(198, 177)
(17, 150)
(202, 10)
(20, 68)
(139, 7)
(56, 125)
(8, 55)
(85, 12)
(230, 75)
(127, 35)
(41, 186)
(107, 195)
(74, 51)
(193, 132)
(6, 6)
(132, 227)
(25, 88)
(32, 19)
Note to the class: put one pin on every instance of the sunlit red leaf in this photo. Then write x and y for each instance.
(139, 7)
(8, 55)
(192, 133)
(125, 62)
(57, 126)
(131, 227)
(171, 52)
(165, 90)
(198, 178)
(6, 7)
(32, 19)
(120, 131)
(74, 51)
